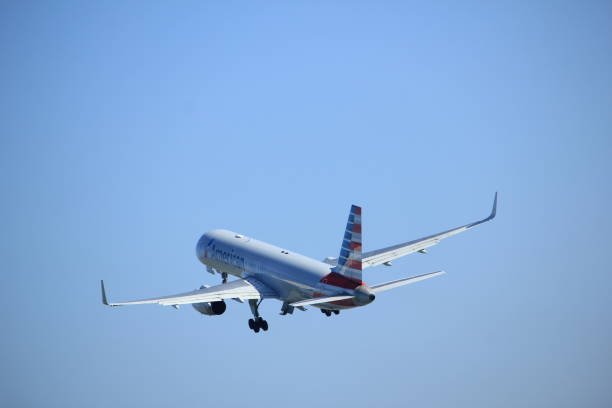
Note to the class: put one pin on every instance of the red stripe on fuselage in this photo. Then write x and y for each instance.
(335, 279)
(345, 302)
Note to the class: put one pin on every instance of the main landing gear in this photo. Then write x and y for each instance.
(258, 323)
(329, 312)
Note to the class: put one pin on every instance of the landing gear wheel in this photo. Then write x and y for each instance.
(336, 312)
(258, 322)
(328, 313)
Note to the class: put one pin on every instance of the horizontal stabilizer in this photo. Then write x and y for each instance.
(318, 300)
(401, 282)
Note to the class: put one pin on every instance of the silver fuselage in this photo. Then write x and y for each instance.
(294, 277)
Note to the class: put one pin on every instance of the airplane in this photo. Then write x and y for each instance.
(265, 271)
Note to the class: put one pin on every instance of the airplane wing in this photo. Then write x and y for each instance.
(384, 255)
(248, 288)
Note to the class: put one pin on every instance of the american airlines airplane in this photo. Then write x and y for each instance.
(266, 271)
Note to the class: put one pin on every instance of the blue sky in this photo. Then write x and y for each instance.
(129, 129)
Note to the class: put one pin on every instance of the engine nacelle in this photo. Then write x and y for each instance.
(210, 308)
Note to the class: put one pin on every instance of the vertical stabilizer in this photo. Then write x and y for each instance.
(347, 273)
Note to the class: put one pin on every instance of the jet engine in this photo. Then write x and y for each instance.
(210, 308)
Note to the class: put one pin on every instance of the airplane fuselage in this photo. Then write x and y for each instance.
(293, 276)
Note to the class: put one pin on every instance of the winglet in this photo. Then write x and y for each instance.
(494, 210)
(104, 300)
(489, 218)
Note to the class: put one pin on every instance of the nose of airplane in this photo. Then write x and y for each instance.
(201, 247)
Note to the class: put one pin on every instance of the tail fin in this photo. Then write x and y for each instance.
(349, 261)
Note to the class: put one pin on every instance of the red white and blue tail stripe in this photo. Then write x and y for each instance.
(349, 261)
(347, 272)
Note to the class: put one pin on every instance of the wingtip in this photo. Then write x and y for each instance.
(494, 210)
(104, 299)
